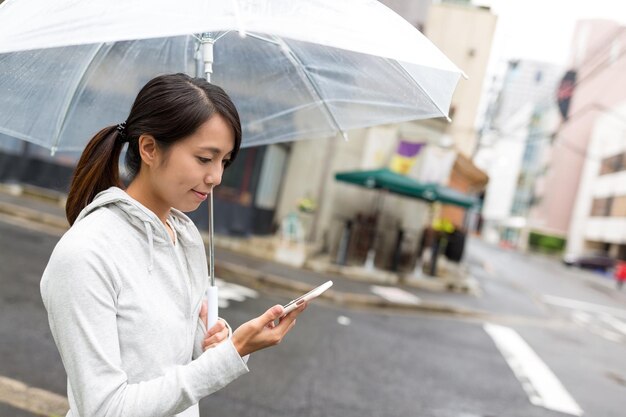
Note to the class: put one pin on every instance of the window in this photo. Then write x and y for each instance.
(613, 164)
(601, 207)
(618, 208)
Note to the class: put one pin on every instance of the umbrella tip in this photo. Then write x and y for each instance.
(53, 150)
(345, 136)
(464, 75)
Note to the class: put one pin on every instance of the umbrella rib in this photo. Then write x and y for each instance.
(292, 56)
(262, 38)
(408, 76)
(238, 20)
(308, 81)
(72, 97)
(298, 64)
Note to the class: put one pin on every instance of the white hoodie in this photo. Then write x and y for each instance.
(125, 316)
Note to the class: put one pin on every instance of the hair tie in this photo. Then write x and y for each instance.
(121, 130)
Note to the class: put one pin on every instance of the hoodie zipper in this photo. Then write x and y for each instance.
(187, 279)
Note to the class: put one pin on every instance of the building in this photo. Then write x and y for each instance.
(597, 60)
(414, 12)
(469, 46)
(519, 125)
(599, 216)
(594, 137)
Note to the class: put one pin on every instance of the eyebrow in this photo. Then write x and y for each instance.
(214, 150)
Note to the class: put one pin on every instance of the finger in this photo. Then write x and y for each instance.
(293, 323)
(270, 315)
(223, 321)
(215, 339)
(217, 327)
(217, 336)
(295, 313)
(287, 328)
(204, 311)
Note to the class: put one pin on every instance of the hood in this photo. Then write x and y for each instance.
(143, 219)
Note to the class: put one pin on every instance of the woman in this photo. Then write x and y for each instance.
(124, 287)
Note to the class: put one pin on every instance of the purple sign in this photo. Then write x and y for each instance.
(409, 149)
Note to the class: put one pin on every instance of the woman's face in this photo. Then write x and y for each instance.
(184, 175)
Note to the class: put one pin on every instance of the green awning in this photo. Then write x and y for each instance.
(385, 179)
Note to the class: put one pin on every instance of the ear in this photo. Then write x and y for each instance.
(147, 149)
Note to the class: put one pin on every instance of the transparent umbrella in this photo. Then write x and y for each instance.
(295, 69)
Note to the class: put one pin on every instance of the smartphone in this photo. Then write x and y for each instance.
(315, 292)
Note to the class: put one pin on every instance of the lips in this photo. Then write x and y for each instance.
(200, 195)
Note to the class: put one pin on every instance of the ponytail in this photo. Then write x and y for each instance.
(96, 171)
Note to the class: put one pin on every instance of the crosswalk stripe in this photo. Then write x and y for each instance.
(583, 305)
(617, 324)
(598, 319)
(541, 385)
(232, 292)
(396, 295)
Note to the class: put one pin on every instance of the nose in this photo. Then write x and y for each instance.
(214, 175)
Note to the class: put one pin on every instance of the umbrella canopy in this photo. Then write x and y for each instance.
(296, 69)
(405, 186)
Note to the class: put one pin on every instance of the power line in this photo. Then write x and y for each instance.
(603, 44)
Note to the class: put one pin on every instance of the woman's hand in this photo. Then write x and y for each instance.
(216, 334)
(262, 332)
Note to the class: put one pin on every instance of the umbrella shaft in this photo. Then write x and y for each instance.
(211, 245)
(207, 56)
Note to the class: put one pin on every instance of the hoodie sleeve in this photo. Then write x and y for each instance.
(80, 293)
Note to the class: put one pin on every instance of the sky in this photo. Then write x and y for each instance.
(542, 29)
(539, 30)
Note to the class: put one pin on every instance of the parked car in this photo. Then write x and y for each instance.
(596, 261)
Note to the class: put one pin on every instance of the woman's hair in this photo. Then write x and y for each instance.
(169, 108)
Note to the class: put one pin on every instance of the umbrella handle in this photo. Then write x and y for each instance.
(211, 295)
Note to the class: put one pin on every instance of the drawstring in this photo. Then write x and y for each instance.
(150, 243)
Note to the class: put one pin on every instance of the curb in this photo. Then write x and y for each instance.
(34, 400)
(257, 280)
(252, 278)
(33, 215)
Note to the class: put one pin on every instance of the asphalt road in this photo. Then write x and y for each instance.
(342, 362)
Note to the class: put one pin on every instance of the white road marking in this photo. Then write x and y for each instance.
(395, 295)
(343, 320)
(617, 324)
(541, 385)
(232, 292)
(587, 321)
(583, 305)
(580, 317)
(596, 318)
(609, 335)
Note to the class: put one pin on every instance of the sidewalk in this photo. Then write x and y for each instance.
(263, 273)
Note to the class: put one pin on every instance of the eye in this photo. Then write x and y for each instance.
(226, 162)
(203, 160)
